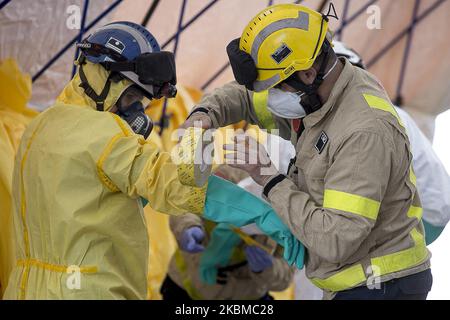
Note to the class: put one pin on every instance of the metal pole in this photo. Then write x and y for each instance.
(4, 3)
(163, 119)
(403, 33)
(356, 15)
(322, 6)
(180, 24)
(226, 65)
(399, 98)
(215, 76)
(71, 42)
(150, 12)
(344, 19)
(192, 20)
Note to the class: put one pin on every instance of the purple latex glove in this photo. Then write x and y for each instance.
(191, 240)
(258, 259)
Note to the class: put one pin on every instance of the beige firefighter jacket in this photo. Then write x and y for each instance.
(350, 196)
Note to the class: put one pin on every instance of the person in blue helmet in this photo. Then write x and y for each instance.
(82, 168)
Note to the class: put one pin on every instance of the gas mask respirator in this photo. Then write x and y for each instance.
(130, 107)
(136, 118)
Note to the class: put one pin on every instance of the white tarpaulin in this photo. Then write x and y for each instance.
(33, 31)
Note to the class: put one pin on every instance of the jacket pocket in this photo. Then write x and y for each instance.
(311, 175)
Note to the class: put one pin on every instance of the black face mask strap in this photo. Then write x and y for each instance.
(322, 70)
(98, 99)
(297, 84)
(311, 100)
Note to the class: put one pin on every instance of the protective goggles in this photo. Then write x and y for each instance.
(154, 72)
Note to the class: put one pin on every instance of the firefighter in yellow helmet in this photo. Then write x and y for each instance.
(350, 194)
(81, 170)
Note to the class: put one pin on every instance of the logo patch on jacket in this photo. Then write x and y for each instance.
(321, 142)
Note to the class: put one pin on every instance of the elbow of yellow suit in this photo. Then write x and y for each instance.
(160, 185)
(138, 168)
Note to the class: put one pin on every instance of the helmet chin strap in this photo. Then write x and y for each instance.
(311, 101)
(99, 99)
(331, 69)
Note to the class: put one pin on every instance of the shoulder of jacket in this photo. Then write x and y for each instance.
(366, 111)
(368, 101)
(108, 121)
(105, 124)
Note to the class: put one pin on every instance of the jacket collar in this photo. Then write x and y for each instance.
(345, 77)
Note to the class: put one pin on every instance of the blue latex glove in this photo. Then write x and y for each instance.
(258, 259)
(229, 203)
(218, 252)
(191, 240)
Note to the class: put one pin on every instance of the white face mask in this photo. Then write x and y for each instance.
(285, 105)
(288, 105)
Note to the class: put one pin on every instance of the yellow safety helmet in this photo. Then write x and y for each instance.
(281, 40)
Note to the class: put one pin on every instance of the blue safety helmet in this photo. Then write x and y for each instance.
(120, 42)
(127, 40)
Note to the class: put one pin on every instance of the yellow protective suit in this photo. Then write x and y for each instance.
(15, 91)
(160, 252)
(78, 179)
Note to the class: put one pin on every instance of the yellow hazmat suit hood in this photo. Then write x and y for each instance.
(97, 77)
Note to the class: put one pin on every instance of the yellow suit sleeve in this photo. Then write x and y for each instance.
(138, 168)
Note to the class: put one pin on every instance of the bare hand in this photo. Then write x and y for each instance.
(251, 157)
(199, 120)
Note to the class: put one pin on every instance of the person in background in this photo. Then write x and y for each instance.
(213, 262)
(15, 115)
